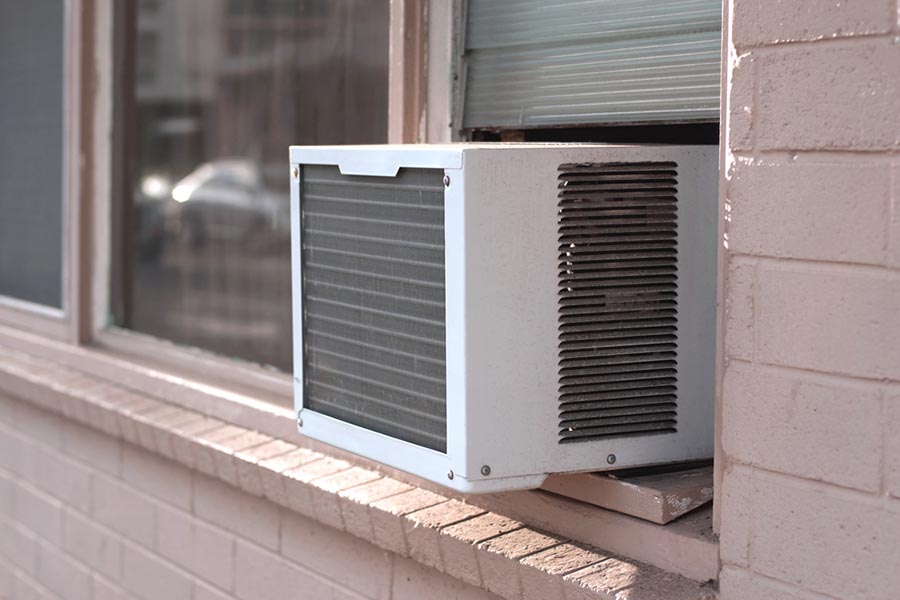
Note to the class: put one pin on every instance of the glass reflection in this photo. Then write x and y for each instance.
(221, 89)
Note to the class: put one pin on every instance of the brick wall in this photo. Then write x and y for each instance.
(810, 505)
(83, 516)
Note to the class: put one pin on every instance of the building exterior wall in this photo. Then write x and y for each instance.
(84, 515)
(810, 422)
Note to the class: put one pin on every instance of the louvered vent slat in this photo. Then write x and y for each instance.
(373, 301)
(618, 300)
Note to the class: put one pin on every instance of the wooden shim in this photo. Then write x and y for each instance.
(658, 494)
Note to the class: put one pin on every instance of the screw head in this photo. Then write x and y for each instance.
(447, 180)
(295, 172)
(611, 459)
(486, 470)
(450, 475)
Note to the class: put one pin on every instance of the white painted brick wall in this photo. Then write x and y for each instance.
(810, 496)
(85, 516)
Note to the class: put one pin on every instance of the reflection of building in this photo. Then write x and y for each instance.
(217, 78)
(178, 46)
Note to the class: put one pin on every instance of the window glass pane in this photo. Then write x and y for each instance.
(31, 150)
(221, 89)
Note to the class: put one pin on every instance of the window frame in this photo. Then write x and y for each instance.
(61, 323)
(224, 373)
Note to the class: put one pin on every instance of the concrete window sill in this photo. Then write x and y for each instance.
(481, 547)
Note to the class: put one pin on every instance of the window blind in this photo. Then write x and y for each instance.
(539, 63)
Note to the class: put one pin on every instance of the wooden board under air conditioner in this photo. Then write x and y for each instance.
(657, 494)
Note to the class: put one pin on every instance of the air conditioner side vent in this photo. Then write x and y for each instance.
(618, 299)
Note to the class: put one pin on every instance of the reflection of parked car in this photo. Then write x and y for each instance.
(226, 200)
(155, 191)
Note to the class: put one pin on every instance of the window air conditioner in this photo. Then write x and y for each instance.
(483, 315)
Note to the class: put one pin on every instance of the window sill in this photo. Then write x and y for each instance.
(253, 445)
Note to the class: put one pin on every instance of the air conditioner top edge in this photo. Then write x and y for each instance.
(385, 160)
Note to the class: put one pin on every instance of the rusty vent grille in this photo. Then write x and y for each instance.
(618, 300)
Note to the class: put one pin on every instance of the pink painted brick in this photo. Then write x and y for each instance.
(7, 489)
(39, 425)
(756, 24)
(106, 590)
(223, 454)
(203, 591)
(64, 479)
(297, 480)
(739, 336)
(840, 321)
(413, 581)
(7, 580)
(148, 577)
(460, 559)
(324, 493)
(860, 75)
(819, 211)
(97, 450)
(736, 515)
(167, 430)
(247, 463)
(93, 545)
(823, 539)
(422, 529)
(739, 584)
(151, 434)
(19, 546)
(892, 441)
(185, 445)
(26, 588)
(772, 419)
(629, 580)
(40, 513)
(460, 555)
(260, 574)
(210, 443)
(128, 411)
(355, 504)
(894, 226)
(741, 109)
(206, 551)
(337, 556)
(62, 574)
(385, 513)
(271, 469)
(157, 476)
(482, 528)
(123, 509)
(521, 543)
(541, 573)
(564, 559)
(499, 559)
(235, 511)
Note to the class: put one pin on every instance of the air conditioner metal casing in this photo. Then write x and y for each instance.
(501, 240)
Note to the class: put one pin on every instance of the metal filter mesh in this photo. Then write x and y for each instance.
(618, 300)
(373, 301)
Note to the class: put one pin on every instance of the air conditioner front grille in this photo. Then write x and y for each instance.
(618, 300)
(373, 301)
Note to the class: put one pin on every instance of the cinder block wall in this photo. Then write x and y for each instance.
(810, 505)
(84, 516)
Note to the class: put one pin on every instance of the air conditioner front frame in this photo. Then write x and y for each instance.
(501, 364)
